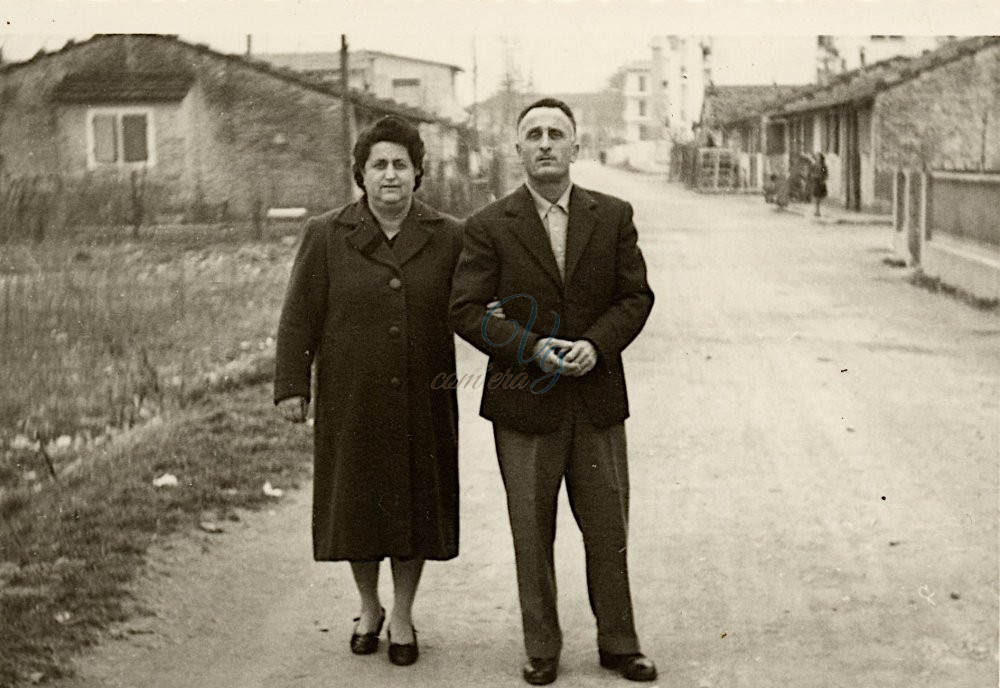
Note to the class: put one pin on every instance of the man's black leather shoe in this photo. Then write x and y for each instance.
(634, 667)
(540, 671)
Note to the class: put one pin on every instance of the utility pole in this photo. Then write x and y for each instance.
(347, 177)
(475, 98)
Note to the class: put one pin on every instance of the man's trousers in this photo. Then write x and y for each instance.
(594, 463)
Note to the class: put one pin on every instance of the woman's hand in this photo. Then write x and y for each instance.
(498, 313)
(293, 409)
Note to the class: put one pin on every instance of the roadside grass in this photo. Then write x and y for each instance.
(935, 285)
(69, 552)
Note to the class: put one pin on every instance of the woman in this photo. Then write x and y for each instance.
(817, 180)
(368, 304)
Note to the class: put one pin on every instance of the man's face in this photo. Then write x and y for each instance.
(547, 144)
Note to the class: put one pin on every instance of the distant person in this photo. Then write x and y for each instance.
(817, 180)
(569, 257)
(367, 303)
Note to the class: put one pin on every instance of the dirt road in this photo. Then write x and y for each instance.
(813, 448)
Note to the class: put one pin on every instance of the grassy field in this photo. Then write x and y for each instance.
(122, 360)
(99, 336)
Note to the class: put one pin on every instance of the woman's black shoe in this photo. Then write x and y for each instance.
(403, 655)
(366, 643)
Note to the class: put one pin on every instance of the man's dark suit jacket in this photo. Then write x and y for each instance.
(604, 298)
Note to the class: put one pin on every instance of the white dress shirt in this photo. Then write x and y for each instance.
(555, 218)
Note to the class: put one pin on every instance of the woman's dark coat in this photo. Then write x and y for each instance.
(375, 318)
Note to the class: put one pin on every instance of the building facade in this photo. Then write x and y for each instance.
(423, 84)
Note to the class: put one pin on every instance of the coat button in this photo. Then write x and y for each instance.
(395, 283)
(395, 382)
(393, 331)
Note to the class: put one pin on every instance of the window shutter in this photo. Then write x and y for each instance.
(134, 138)
(105, 138)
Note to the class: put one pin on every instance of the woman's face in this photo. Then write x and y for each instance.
(389, 175)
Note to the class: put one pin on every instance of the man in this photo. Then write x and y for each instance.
(566, 286)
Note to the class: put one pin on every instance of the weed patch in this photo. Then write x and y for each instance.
(68, 553)
(934, 284)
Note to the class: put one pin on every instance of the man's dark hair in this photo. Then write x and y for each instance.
(548, 103)
(394, 130)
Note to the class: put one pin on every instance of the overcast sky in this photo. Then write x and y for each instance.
(562, 45)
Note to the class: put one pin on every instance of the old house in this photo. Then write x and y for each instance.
(939, 110)
(734, 119)
(198, 133)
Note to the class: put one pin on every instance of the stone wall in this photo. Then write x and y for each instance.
(945, 118)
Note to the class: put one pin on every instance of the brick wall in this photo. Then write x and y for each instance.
(948, 117)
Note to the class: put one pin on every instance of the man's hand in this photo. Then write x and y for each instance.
(293, 409)
(549, 353)
(580, 358)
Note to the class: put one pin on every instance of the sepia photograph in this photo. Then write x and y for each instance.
(438, 344)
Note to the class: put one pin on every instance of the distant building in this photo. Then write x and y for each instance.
(207, 135)
(937, 111)
(423, 84)
(637, 103)
(684, 72)
(735, 118)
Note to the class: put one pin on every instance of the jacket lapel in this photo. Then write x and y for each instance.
(581, 224)
(527, 227)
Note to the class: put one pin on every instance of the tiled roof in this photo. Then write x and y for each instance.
(302, 62)
(123, 87)
(727, 104)
(379, 105)
(862, 84)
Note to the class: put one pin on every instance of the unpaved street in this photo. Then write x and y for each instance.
(813, 458)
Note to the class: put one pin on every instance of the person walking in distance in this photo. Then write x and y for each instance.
(563, 266)
(817, 180)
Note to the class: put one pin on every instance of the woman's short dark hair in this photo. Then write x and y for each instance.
(548, 103)
(394, 130)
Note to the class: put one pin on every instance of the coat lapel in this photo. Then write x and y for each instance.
(529, 230)
(366, 235)
(368, 239)
(581, 224)
(416, 231)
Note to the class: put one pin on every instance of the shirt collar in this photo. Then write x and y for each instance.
(543, 205)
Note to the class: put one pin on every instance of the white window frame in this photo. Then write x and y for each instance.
(119, 112)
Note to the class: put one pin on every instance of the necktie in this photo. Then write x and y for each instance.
(555, 223)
